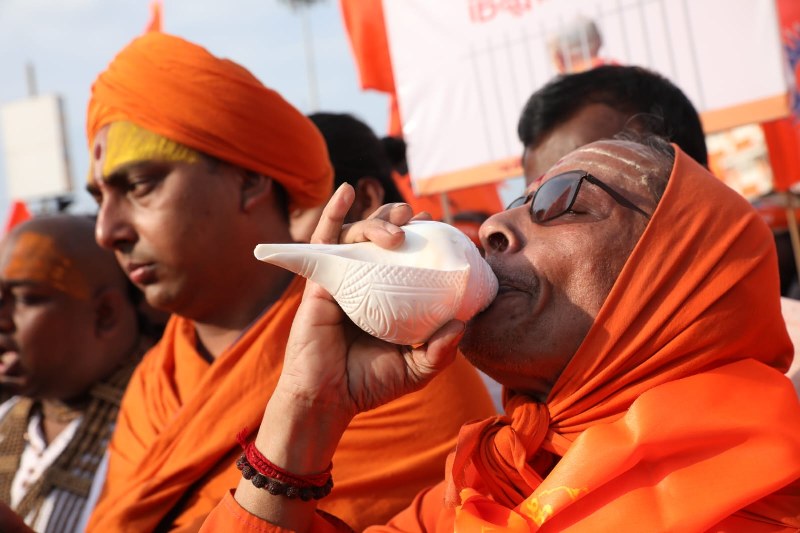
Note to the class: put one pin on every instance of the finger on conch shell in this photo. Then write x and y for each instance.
(401, 295)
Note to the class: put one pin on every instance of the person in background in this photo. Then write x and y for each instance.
(70, 338)
(193, 163)
(575, 46)
(576, 109)
(395, 148)
(359, 158)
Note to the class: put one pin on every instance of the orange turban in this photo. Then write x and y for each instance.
(179, 90)
(674, 414)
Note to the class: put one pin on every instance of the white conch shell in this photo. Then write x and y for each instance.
(402, 295)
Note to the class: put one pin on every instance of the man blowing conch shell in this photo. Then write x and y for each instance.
(638, 332)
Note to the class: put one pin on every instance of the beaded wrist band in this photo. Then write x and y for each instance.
(277, 481)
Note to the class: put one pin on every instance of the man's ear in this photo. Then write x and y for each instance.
(255, 189)
(369, 197)
(110, 306)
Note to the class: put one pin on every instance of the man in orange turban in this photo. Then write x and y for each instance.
(193, 163)
(639, 336)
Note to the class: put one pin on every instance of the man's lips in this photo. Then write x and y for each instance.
(141, 273)
(506, 287)
(10, 368)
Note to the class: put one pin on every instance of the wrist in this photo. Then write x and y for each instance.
(300, 436)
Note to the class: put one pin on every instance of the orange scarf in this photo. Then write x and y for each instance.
(674, 414)
(179, 417)
(180, 91)
(175, 437)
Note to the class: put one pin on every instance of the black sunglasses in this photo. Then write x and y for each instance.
(557, 195)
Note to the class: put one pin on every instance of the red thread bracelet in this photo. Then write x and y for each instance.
(267, 468)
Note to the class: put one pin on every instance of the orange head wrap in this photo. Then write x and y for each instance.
(179, 90)
(677, 383)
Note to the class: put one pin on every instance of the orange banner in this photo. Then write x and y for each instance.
(783, 136)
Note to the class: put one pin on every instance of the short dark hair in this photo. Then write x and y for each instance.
(395, 148)
(356, 152)
(654, 103)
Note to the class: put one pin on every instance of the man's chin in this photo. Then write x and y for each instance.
(159, 298)
(479, 346)
(14, 386)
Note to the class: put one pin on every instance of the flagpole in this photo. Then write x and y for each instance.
(308, 40)
(30, 77)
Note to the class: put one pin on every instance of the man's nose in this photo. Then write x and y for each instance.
(113, 228)
(501, 233)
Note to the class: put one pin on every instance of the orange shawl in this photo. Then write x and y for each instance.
(674, 414)
(179, 90)
(174, 445)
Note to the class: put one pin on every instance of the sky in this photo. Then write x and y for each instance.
(69, 42)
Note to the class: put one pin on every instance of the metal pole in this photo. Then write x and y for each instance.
(30, 77)
(447, 215)
(793, 231)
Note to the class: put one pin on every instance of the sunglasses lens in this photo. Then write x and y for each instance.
(554, 197)
(518, 202)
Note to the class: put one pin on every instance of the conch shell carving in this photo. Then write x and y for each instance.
(402, 295)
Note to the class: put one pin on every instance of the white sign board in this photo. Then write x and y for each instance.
(35, 150)
(464, 69)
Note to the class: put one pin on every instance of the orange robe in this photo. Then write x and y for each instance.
(673, 415)
(174, 448)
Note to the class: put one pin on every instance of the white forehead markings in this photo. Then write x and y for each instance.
(644, 165)
(619, 157)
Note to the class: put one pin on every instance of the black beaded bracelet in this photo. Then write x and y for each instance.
(281, 488)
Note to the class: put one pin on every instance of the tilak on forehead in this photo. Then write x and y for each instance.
(123, 143)
(36, 258)
(183, 98)
(630, 148)
(593, 149)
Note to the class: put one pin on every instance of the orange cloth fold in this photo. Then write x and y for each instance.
(674, 414)
(175, 442)
(697, 301)
(177, 89)
(689, 309)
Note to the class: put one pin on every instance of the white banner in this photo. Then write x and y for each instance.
(464, 68)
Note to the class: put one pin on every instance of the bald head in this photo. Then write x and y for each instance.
(67, 319)
(61, 249)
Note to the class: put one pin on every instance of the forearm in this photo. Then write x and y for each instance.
(299, 437)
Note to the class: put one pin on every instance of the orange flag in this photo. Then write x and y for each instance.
(156, 7)
(19, 213)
